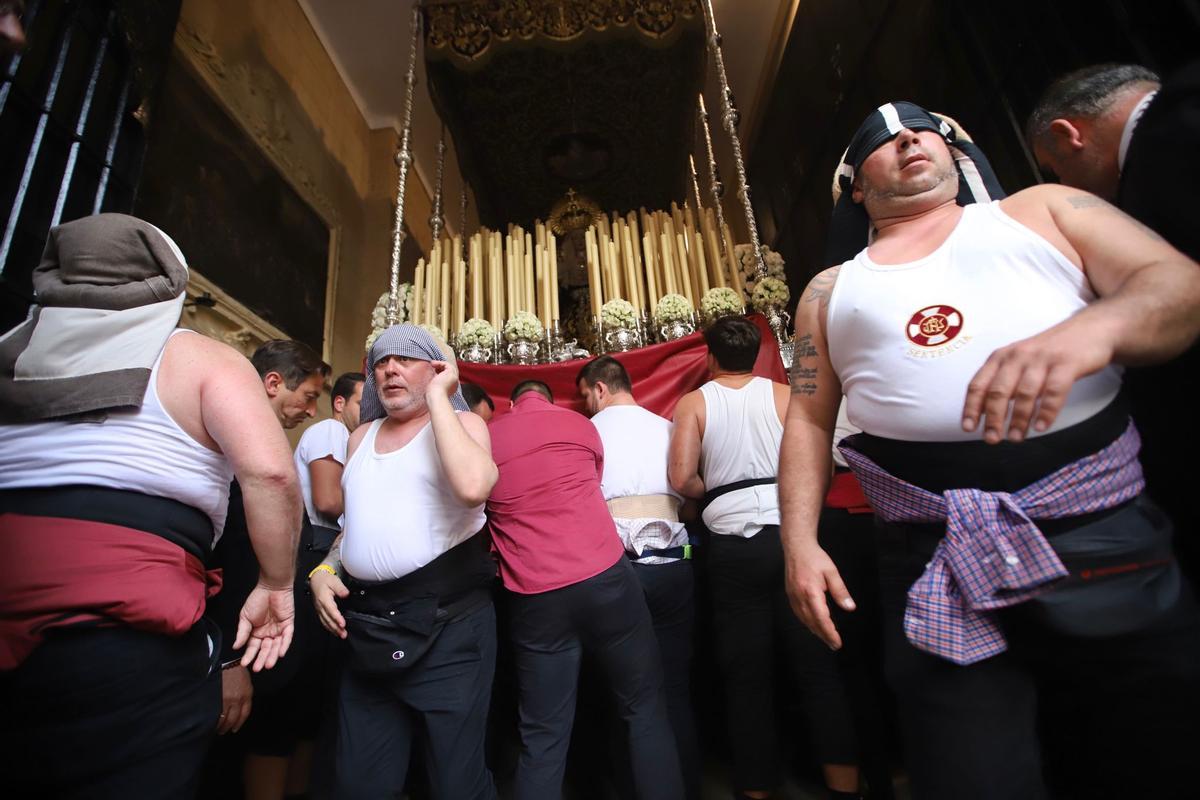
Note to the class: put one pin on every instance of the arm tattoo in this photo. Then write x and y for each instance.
(803, 379)
(821, 287)
(1089, 201)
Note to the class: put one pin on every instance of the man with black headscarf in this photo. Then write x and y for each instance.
(415, 579)
(1028, 585)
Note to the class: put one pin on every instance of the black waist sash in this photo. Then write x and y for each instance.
(463, 572)
(185, 526)
(714, 493)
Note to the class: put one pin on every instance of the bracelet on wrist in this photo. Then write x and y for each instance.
(322, 568)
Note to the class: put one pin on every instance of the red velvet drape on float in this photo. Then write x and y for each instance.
(661, 373)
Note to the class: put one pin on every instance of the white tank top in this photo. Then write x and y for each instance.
(400, 511)
(741, 440)
(906, 339)
(141, 450)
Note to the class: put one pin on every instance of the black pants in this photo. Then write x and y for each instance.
(1056, 715)
(752, 624)
(607, 616)
(98, 713)
(670, 597)
(443, 698)
(849, 539)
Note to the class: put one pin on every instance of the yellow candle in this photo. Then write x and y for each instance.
(418, 292)
(593, 265)
(652, 292)
(685, 274)
(735, 275)
(552, 245)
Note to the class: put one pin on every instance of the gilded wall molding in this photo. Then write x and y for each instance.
(251, 101)
(468, 30)
(215, 313)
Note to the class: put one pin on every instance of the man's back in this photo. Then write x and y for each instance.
(546, 512)
(635, 451)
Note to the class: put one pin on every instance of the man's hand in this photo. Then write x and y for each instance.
(446, 378)
(1033, 375)
(265, 626)
(236, 692)
(326, 588)
(810, 574)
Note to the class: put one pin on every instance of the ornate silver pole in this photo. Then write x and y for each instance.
(462, 212)
(435, 219)
(696, 191)
(403, 160)
(729, 115)
(714, 186)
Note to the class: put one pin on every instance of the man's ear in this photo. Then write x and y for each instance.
(1068, 135)
(856, 192)
(273, 382)
(339, 403)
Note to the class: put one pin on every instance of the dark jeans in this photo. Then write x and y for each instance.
(1056, 715)
(98, 713)
(607, 616)
(752, 619)
(443, 699)
(670, 596)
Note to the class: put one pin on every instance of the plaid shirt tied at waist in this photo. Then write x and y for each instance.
(992, 554)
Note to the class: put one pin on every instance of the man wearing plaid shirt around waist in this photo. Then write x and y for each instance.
(1038, 635)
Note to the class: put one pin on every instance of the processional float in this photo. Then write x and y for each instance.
(652, 276)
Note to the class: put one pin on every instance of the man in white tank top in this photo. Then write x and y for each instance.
(110, 677)
(414, 578)
(725, 451)
(646, 513)
(955, 397)
(321, 457)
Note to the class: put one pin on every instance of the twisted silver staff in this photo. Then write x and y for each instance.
(403, 160)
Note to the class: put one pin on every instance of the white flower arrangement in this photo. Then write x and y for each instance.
(379, 313)
(434, 331)
(672, 307)
(478, 332)
(749, 266)
(618, 313)
(720, 301)
(770, 292)
(523, 325)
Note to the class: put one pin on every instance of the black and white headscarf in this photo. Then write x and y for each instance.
(850, 227)
(410, 341)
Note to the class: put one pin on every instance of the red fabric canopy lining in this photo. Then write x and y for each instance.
(661, 373)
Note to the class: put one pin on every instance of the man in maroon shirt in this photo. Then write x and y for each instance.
(570, 588)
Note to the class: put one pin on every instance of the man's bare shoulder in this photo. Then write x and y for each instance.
(816, 295)
(195, 350)
(689, 404)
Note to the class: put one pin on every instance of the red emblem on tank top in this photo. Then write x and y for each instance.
(934, 325)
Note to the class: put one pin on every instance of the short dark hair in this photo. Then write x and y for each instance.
(474, 395)
(1085, 93)
(734, 343)
(531, 386)
(606, 370)
(345, 384)
(295, 361)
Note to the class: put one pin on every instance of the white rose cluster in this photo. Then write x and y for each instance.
(523, 325)
(672, 307)
(770, 292)
(434, 331)
(720, 301)
(749, 267)
(379, 314)
(618, 313)
(478, 332)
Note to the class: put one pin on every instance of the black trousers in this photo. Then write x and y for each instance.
(670, 597)
(109, 713)
(1056, 715)
(607, 616)
(753, 623)
(443, 698)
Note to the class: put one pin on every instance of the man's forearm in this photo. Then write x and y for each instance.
(273, 507)
(333, 558)
(805, 465)
(1157, 312)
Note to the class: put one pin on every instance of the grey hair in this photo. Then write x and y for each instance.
(1084, 94)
